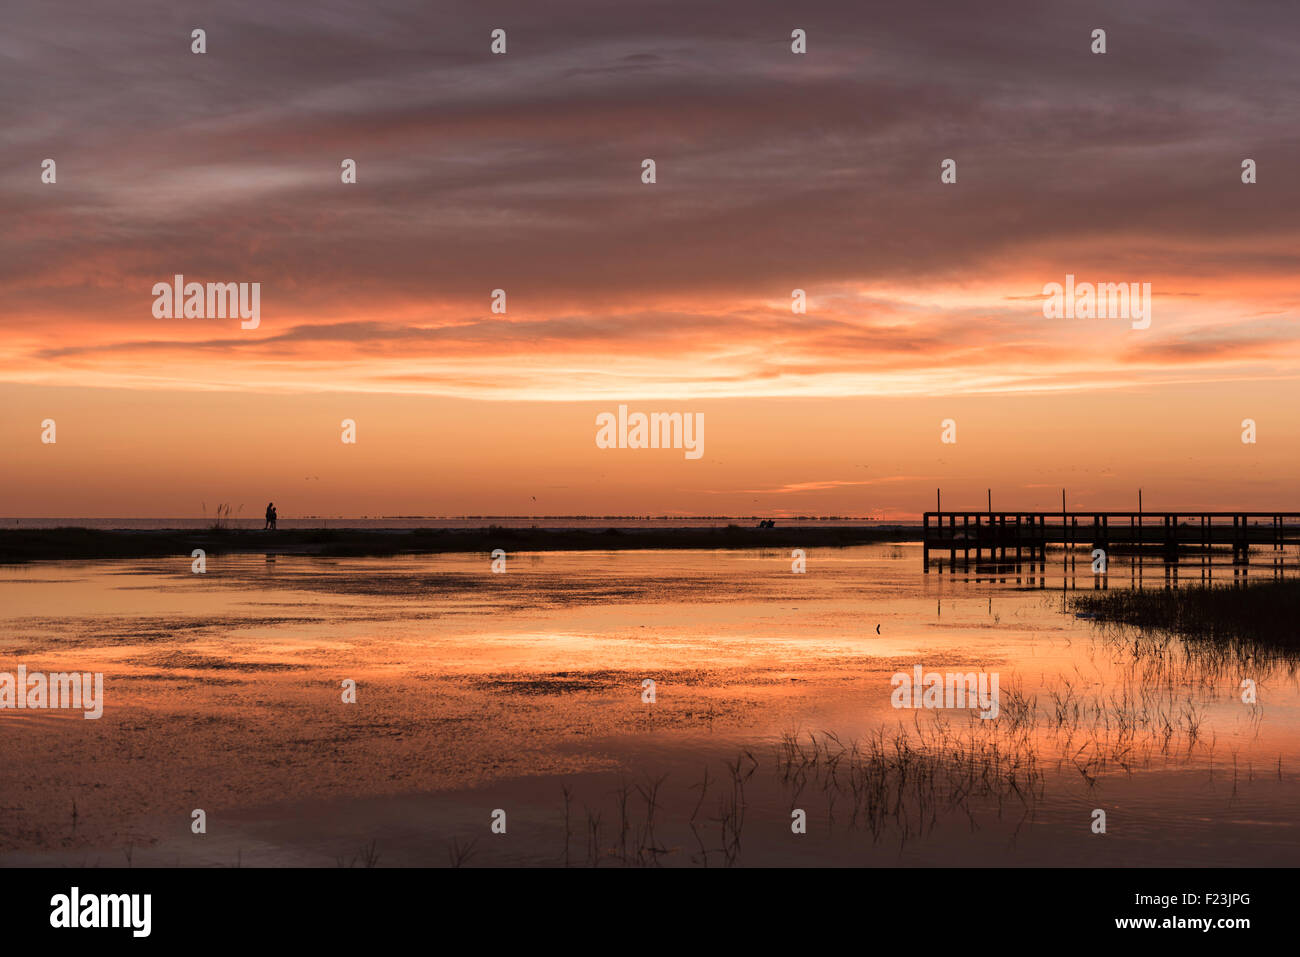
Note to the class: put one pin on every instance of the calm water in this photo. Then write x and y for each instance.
(479, 692)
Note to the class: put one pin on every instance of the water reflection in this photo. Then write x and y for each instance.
(773, 694)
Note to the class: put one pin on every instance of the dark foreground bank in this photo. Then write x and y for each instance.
(26, 545)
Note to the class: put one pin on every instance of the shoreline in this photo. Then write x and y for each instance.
(18, 546)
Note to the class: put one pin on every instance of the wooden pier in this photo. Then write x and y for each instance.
(1023, 537)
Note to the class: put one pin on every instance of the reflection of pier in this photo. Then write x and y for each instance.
(1020, 538)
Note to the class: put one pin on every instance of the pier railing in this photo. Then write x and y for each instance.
(1025, 536)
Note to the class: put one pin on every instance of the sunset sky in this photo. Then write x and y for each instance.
(775, 171)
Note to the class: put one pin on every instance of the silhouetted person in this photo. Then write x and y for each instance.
(270, 516)
(274, 516)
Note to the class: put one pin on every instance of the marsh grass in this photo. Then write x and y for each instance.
(636, 843)
(905, 781)
(225, 513)
(1260, 617)
(368, 857)
(459, 854)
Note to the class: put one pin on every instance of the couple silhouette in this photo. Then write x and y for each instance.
(270, 516)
